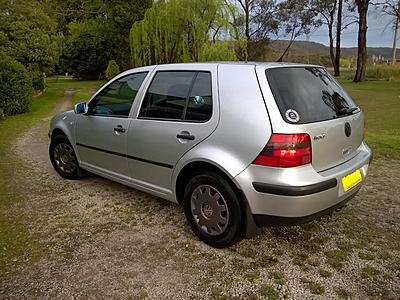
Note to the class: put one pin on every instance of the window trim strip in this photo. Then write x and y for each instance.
(127, 156)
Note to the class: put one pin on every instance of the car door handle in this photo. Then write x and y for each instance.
(186, 136)
(119, 128)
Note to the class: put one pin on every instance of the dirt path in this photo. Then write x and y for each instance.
(105, 240)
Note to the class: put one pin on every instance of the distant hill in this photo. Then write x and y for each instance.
(313, 48)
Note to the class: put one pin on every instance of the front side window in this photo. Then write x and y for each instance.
(117, 98)
(178, 95)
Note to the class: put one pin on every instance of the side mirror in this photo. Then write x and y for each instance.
(80, 108)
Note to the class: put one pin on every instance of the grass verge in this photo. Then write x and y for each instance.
(17, 245)
(380, 101)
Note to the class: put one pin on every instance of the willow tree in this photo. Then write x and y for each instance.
(179, 31)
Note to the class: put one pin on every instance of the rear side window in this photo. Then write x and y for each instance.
(199, 107)
(308, 94)
(178, 95)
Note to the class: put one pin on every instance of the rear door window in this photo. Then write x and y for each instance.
(178, 95)
(308, 94)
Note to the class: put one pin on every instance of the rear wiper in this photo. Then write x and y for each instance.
(348, 111)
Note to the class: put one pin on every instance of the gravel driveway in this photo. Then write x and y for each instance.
(103, 240)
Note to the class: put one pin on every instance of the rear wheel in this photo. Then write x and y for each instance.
(212, 209)
(63, 158)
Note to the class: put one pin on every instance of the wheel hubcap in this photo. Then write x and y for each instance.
(65, 158)
(209, 210)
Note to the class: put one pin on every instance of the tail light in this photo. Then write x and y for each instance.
(285, 150)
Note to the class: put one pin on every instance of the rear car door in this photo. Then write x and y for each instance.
(101, 133)
(178, 111)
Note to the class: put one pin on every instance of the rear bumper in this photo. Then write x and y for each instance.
(301, 192)
(295, 190)
(266, 220)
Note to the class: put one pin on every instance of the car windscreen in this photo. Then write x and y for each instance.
(308, 94)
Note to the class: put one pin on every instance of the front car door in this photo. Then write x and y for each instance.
(101, 133)
(179, 110)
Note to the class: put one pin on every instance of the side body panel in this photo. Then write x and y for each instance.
(99, 146)
(153, 147)
(65, 122)
(243, 129)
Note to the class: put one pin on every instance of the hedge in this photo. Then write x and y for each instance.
(15, 87)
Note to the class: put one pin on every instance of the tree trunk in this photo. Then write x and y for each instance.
(247, 29)
(396, 29)
(336, 65)
(331, 52)
(280, 59)
(362, 7)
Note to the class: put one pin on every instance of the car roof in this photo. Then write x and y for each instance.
(244, 63)
(194, 65)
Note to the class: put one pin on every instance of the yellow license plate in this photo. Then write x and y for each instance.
(351, 180)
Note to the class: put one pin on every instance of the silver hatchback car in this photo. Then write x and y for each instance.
(239, 145)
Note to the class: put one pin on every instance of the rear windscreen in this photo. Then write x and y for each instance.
(308, 94)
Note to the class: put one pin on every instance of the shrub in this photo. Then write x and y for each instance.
(37, 77)
(112, 69)
(383, 72)
(15, 87)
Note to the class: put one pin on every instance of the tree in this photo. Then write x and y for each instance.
(29, 35)
(327, 10)
(362, 9)
(330, 12)
(114, 16)
(88, 49)
(177, 31)
(217, 51)
(112, 70)
(336, 65)
(392, 8)
(255, 19)
(296, 19)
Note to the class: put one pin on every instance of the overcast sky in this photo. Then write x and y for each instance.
(379, 33)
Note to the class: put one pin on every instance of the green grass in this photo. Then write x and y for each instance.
(383, 72)
(269, 292)
(324, 273)
(314, 287)
(380, 101)
(17, 246)
(278, 277)
(342, 293)
(336, 258)
(368, 272)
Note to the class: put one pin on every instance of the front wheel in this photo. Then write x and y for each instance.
(63, 158)
(212, 209)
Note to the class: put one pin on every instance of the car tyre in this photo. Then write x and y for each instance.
(212, 208)
(63, 158)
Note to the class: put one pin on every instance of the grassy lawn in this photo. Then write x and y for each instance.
(16, 245)
(380, 101)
